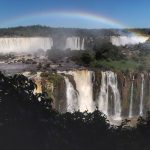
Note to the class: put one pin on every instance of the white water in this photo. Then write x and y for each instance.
(128, 40)
(103, 96)
(131, 99)
(80, 96)
(25, 44)
(75, 43)
(71, 95)
(84, 87)
(82, 44)
(109, 79)
(83, 100)
(142, 95)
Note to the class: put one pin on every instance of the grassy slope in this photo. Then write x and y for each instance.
(117, 65)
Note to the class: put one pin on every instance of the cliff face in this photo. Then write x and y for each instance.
(134, 91)
(54, 85)
(118, 95)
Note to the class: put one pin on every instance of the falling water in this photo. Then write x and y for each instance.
(25, 44)
(103, 96)
(78, 43)
(128, 40)
(71, 95)
(84, 86)
(131, 99)
(74, 43)
(142, 95)
(112, 78)
(82, 45)
(109, 79)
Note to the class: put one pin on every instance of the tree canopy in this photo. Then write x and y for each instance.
(27, 121)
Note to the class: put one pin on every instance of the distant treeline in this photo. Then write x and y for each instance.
(38, 30)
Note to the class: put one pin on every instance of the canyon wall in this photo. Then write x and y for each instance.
(117, 95)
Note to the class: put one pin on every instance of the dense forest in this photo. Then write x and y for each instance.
(38, 30)
(27, 121)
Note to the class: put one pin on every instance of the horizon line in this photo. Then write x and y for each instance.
(47, 26)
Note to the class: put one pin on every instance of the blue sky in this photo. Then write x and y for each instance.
(131, 13)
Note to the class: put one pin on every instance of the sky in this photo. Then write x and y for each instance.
(76, 13)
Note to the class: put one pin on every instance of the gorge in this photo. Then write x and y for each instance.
(118, 95)
(115, 84)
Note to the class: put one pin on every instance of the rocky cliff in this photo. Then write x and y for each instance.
(118, 95)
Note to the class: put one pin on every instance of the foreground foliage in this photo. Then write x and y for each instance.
(28, 122)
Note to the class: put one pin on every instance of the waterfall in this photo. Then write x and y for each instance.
(114, 85)
(78, 43)
(103, 96)
(25, 44)
(84, 87)
(82, 45)
(71, 95)
(109, 79)
(131, 99)
(142, 95)
(74, 43)
(128, 40)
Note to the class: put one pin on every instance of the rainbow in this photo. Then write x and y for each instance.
(70, 14)
(87, 16)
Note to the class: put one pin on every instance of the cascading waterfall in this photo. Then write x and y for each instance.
(103, 96)
(109, 79)
(82, 45)
(131, 99)
(80, 94)
(74, 43)
(81, 98)
(71, 95)
(114, 85)
(78, 43)
(25, 44)
(128, 40)
(142, 95)
(84, 87)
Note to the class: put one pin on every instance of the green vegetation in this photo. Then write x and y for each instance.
(100, 53)
(144, 61)
(106, 51)
(52, 77)
(6, 56)
(45, 31)
(87, 57)
(105, 56)
(28, 122)
(121, 65)
(109, 57)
